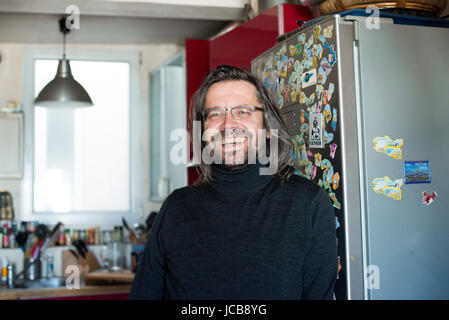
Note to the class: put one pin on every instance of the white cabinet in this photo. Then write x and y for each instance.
(11, 126)
(168, 112)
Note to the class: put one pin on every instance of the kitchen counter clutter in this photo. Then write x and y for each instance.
(88, 292)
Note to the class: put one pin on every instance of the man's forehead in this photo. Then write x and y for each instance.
(231, 93)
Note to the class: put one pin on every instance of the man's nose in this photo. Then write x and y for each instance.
(229, 121)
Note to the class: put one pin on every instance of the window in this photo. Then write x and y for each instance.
(85, 161)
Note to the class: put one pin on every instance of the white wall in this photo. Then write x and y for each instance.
(11, 89)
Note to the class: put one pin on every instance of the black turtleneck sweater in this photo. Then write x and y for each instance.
(244, 236)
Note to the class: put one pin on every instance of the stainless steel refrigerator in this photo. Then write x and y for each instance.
(366, 102)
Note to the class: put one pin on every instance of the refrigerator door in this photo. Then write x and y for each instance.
(404, 93)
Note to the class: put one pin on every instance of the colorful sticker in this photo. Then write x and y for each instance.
(315, 130)
(322, 76)
(302, 38)
(328, 137)
(312, 108)
(327, 32)
(330, 90)
(386, 145)
(337, 223)
(318, 91)
(390, 188)
(327, 68)
(332, 148)
(332, 56)
(336, 204)
(283, 69)
(318, 159)
(308, 78)
(283, 50)
(313, 173)
(309, 42)
(317, 31)
(428, 198)
(327, 113)
(334, 119)
(417, 172)
(307, 100)
(335, 181)
(292, 50)
(317, 51)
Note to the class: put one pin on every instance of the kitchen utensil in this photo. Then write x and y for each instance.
(51, 237)
(80, 247)
(114, 256)
(129, 229)
(74, 253)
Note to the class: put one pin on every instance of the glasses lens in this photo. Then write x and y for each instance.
(242, 112)
(213, 114)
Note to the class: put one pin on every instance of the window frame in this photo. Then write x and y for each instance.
(33, 53)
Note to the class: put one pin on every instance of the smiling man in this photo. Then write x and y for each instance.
(242, 232)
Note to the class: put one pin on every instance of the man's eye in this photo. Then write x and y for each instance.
(214, 114)
(244, 112)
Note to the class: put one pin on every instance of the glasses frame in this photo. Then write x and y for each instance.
(231, 109)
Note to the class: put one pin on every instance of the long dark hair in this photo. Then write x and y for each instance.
(271, 117)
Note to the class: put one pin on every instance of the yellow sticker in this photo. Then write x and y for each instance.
(388, 146)
(388, 187)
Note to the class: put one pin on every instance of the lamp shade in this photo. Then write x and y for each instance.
(63, 91)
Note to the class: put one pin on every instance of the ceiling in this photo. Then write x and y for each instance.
(117, 22)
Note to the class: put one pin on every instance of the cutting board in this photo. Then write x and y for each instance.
(104, 274)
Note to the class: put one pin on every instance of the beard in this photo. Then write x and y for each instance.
(235, 147)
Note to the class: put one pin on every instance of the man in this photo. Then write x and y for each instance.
(237, 233)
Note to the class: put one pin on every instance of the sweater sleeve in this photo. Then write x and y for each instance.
(320, 269)
(149, 279)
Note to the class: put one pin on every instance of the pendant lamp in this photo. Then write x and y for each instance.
(63, 91)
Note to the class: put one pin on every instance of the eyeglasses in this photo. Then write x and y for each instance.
(238, 113)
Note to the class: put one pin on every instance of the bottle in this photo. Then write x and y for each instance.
(12, 238)
(9, 214)
(61, 236)
(68, 238)
(97, 236)
(2, 206)
(11, 275)
(5, 237)
(1, 238)
(4, 269)
(50, 265)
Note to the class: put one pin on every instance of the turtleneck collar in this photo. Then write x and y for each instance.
(244, 179)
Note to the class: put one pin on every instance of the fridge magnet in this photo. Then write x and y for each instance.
(388, 146)
(315, 130)
(308, 78)
(309, 42)
(330, 91)
(327, 113)
(283, 69)
(327, 136)
(332, 148)
(322, 39)
(306, 100)
(328, 173)
(302, 117)
(292, 50)
(317, 51)
(331, 57)
(312, 108)
(318, 159)
(335, 181)
(298, 50)
(290, 64)
(317, 31)
(417, 172)
(337, 223)
(313, 172)
(334, 119)
(325, 44)
(428, 198)
(302, 38)
(286, 92)
(327, 32)
(308, 169)
(324, 63)
(322, 76)
(319, 106)
(335, 204)
(318, 91)
(283, 50)
(388, 187)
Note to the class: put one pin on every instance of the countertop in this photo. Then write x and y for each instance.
(14, 294)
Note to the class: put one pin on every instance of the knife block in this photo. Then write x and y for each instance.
(85, 265)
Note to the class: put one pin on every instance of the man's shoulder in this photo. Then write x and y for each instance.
(181, 194)
(297, 183)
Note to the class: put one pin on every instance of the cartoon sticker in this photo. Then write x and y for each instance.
(327, 113)
(322, 76)
(417, 172)
(312, 108)
(315, 130)
(391, 188)
(302, 38)
(327, 32)
(336, 204)
(428, 198)
(308, 78)
(309, 42)
(317, 31)
(318, 159)
(292, 50)
(307, 100)
(313, 172)
(335, 181)
(317, 51)
(330, 90)
(388, 146)
(332, 148)
(328, 136)
(334, 119)
(337, 223)
(327, 68)
(332, 55)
